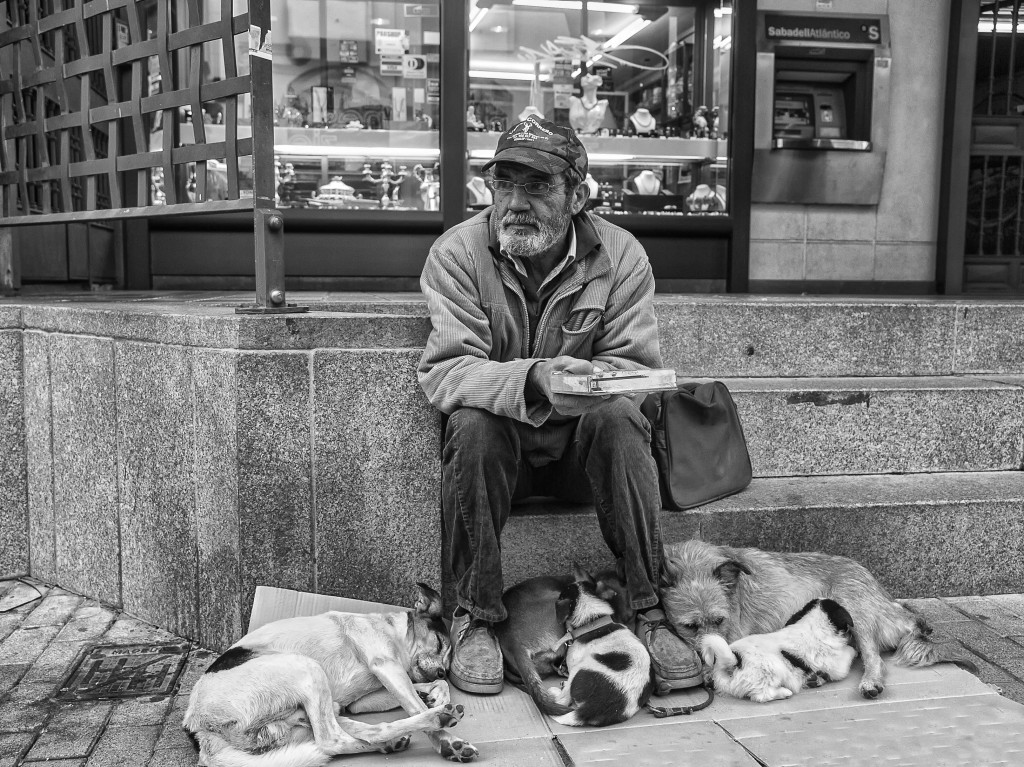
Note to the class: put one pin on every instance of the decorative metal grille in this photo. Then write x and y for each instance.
(102, 115)
(102, 105)
(994, 243)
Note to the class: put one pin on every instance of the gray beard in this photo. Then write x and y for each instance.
(528, 245)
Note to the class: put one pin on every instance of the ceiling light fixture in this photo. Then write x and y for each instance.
(576, 5)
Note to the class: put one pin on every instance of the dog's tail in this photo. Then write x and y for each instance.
(306, 754)
(917, 648)
(534, 685)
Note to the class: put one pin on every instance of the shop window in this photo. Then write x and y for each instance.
(645, 86)
(358, 89)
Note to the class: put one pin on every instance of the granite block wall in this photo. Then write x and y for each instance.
(378, 474)
(181, 457)
(14, 551)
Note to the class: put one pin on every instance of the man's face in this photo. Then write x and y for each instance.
(531, 225)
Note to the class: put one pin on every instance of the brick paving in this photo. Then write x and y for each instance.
(41, 639)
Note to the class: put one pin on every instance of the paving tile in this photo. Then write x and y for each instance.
(195, 666)
(25, 645)
(1013, 603)
(13, 745)
(55, 662)
(173, 736)
(128, 630)
(90, 621)
(120, 746)
(55, 609)
(25, 694)
(935, 611)
(11, 674)
(139, 712)
(71, 732)
(21, 596)
(984, 641)
(174, 757)
(991, 614)
(8, 623)
(1011, 690)
(16, 716)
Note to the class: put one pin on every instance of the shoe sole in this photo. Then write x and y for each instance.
(480, 688)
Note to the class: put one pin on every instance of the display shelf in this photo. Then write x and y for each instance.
(604, 150)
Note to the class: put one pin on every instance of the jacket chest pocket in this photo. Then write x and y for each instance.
(579, 330)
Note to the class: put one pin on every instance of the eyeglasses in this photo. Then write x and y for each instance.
(532, 188)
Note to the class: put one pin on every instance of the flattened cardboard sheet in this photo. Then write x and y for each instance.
(694, 743)
(271, 604)
(951, 732)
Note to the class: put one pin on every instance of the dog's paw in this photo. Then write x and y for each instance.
(816, 679)
(456, 750)
(450, 715)
(435, 694)
(871, 690)
(394, 746)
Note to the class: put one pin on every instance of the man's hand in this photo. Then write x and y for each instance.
(566, 404)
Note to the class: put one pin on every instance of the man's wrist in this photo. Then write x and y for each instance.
(533, 391)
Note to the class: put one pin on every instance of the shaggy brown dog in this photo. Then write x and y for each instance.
(709, 589)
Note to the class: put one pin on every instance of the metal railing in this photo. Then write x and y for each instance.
(107, 111)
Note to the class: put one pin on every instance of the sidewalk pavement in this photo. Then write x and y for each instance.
(939, 717)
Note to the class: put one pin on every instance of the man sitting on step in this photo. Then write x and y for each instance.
(531, 286)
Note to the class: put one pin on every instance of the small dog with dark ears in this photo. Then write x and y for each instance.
(609, 668)
(734, 592)
(813, 648)
(530, 635)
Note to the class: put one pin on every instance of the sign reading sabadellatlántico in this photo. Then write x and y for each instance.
(822, 29)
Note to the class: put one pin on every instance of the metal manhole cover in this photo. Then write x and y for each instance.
(125, 671)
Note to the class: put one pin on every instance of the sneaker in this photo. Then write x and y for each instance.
(676, 664)
(476, 656)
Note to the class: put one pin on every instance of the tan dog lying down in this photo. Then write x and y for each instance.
(275, 696)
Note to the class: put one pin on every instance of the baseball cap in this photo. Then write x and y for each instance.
(542, 145)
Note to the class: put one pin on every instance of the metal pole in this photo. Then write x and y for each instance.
(268, 222)
(10, 266)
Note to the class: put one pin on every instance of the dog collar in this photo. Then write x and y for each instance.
(572, 635)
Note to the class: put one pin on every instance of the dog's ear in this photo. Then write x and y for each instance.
(728, 573)
(581, 575)
(670, 574)
(428, 601)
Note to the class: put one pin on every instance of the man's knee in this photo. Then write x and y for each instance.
(618, 420)
(483, 432)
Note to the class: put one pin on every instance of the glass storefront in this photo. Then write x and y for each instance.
(643, 86)
(358, 91)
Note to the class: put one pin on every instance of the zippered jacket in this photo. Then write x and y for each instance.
(477, 354)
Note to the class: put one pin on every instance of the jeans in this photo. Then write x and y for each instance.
(608, 460)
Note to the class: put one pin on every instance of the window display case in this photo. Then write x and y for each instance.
(651, 111)
(382, 130)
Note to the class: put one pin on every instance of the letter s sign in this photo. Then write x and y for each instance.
(874, 34)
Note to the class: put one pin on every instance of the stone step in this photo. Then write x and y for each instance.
(922, 535)
(818, 426)
(738, 336)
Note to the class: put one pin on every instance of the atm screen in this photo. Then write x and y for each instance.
(794, 115)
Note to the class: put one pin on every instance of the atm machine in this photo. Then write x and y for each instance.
(822, 108)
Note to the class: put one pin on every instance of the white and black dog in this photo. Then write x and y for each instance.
(275, 696)
(814, 647)
(609, 667)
